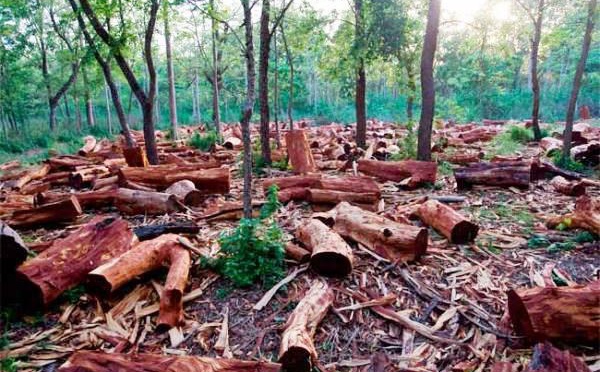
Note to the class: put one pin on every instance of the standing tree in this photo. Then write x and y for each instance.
(536, 14)
(585, 49)
(145, 98)
(427, 83)
(290, 62)
(361, 81)
(170, 73)
(215, 70)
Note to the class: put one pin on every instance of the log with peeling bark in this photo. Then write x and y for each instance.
(89, 143)
(296, 252)
(61, 211)
(319, 196)
(156, 175)
(566, 314)
(30, 175)
(147, 232)
(207, 181)
(144, 257)
(67, 162)
(504, 174)
(413, 172)
(547, 358)
(93, 361)
(185, 191)
(297, 351)
(67, 262)
(451, 224)
(299, 154)
(585, 216)
(134, 202)
(571, 188)
(331, 255)
(390, 239)
(135, 156)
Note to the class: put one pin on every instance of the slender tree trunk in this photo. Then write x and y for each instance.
(170, 75)
(67, 111)
(195, 98)
(535, 82)
(361, 81)
(412, 90)
(427, 82)
(263, 81)
(290, 61)
(276, 92)
(108, 113)
(215, 71)
(77, 112)
(585, 49)
(248, 108)
(89, 105)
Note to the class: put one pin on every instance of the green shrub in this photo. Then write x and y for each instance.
(520, 134)
(203, 142)
(282, 164)
(8, 365)
(567, 163)
(254, 250)
(407, 145)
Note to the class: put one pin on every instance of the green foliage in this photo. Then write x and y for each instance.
(254, 250)
(504, 144)
(223, 292)
(561, 247)
(203, 142)
(8, 365)
(258, 163)
(407, 145)
(585, 237)
(568, 163)
(520, 134)
(73, 295)
(537, 241)
(445, 168)
(282, 164)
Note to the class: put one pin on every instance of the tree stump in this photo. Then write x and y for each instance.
(299, 154)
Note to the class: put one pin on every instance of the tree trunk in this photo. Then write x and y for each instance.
(276, 92)
(263, 81)
(331, 255)
(196, 98)
(413, 172)
(505, 174)
(290, 61)
(299, 154)
(215, 71)
(535, 83)
(456, 228)
(427, 82)
(89, 105)
(412, 90)
(587, 40)
(170, 75)
(108, 113)
(361, 82)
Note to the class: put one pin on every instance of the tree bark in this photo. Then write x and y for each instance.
(417, 172)
(263, 81)
(290, 61)
(504, 174)
(185, 191)
(170, 74)
(215, 71)
(456, 228)
(585, 216)
(361, 81)
(162, 176)
(89, 105)
(65, 210)
(299, 154)
(535, 82)
(427, 82)
(571, 188)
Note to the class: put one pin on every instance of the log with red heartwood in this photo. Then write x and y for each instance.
(293, 193)
(451, 224)
(566, 314)
(463, 158)
(67, 162)
(94, 361)
(296, 252)
(30, 175)
(331, 255)
(571, 188)
(503, 174)
(305, 181)
(89, 143)
(162, 176)
(390, 239)
(84, 177)
(551, 145)
(134, 202)
(185, 191)
(66, 263)
(479, 134)
(299, 154)
(207, 181)
(547, 358)
(64, 210)
(147, 256)
(318, 196)
(417, 172)
(585, 216)
(297, 351)
(135, 156)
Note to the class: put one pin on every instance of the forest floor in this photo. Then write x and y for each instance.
(458, 291)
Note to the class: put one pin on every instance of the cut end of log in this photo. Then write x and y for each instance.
(171, 310)
(295, 359)
(519, 315)
(464, 232)
(331, 264)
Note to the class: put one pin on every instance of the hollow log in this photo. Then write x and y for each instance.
(207, 181)
(547, 358)
(147, 232)
(67, 262)
(566, 314)
(418, 172)
(142, 258)
(390, 239)
(451, 224)
(89, 143)
(331, 255)
(335, 197)
(297, 351)
(297, 253)
(64, 210)
(504, 174)
(585, 216)
(135, 156)
(93, 361)
(185, 191)
(571, 188)
(134, 202)
(299, 154)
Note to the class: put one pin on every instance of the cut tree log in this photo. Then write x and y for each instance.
(306, 181)
(84, 177)
(147, 232)
(334, 197)
(451, 224)
(297, 351)
(64, 210)
(588, 153)
(504, 174)
(571, 188)
(93, 361)
(30, 175)
(479, 134)
(135, 156)
(133, 202)
(207, 181)
(299, 154)
(547, 358)
(566, 314)
(293, 193)
(551, 145)
(144, 257)
(392, 240)
(331, 255)
(463, 158)
(417, 172)
(89, 143)
(185, 191)
(355, 184)
(67, 262)
(86, 199)
(156, 175)
(585, 216)
(297, 253)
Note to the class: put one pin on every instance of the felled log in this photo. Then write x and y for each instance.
(67, 262)
(147, 232)
(142, 258)
(357, 184)
(480, 134)
(299, 154)
(35, 187)
(67, 162)
(331, 255)
(392, 240)
(293, 193)
(541, 169)
(185, 191)
(588, 153)
(84, 177)
(135, 156)
(100, 183)
(207, 181)
(551, 145)
(93, 361)
(463, 158)
(335, 197)
(451, 224)
(547, 358)
(57, 179)
(417, 172)
(282, 183)
(297, 253)
(134, 202)
(156, 175)
(571, 188)
(504, 174)
(566, 314)
(64, 210)
(30, 175)
(86, 199)
(585, 216)
(231, 143)
(13, 250)
(297, 351)
(89, 143)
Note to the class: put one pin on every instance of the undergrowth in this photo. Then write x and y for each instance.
(204, 142)
(539, 241)
(568, 163)
(407, 145)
